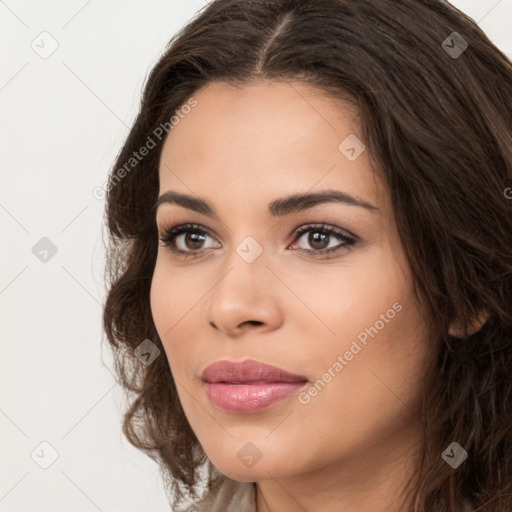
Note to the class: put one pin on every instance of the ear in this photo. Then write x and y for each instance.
(474, 326)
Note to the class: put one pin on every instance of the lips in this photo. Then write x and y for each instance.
(248, 386)
(247, 371)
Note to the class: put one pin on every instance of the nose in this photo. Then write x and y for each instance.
(246, 299)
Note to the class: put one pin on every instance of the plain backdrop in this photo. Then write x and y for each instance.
(70, 81)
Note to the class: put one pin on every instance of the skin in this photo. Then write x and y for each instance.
(353, 444)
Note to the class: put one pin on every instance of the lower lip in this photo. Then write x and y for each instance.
(247, 398)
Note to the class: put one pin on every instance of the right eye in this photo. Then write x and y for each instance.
(185, 240)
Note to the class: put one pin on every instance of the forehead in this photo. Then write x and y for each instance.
(258, 112)
(263, 137)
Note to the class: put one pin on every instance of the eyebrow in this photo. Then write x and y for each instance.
(277, 208)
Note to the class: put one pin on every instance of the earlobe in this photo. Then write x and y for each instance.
(475, 325)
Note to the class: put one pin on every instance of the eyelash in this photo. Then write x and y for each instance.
(170, 235)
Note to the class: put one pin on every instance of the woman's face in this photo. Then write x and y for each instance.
(345, 323)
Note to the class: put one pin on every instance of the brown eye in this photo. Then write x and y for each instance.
(323, 239)
(193, 240)
(318, 240)
(186, 240)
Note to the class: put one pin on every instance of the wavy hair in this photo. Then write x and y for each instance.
(437, 123)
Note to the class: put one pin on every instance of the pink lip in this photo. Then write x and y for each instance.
(248, 386)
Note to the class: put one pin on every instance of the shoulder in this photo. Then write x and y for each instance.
(226, 495)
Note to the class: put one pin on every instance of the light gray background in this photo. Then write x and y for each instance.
(63, 120)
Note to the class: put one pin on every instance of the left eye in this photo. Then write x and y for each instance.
(188, 240)
(323, 239)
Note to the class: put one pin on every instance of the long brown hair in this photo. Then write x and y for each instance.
(436, 112)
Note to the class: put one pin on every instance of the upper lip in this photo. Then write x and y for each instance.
(247, 371)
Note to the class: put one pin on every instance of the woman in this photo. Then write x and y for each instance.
(310, 260)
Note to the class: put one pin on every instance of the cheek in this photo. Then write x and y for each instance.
(346, 300)
(374, 391)
(166, 302)
(175, 301)
(378, 330)
(172, 294)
